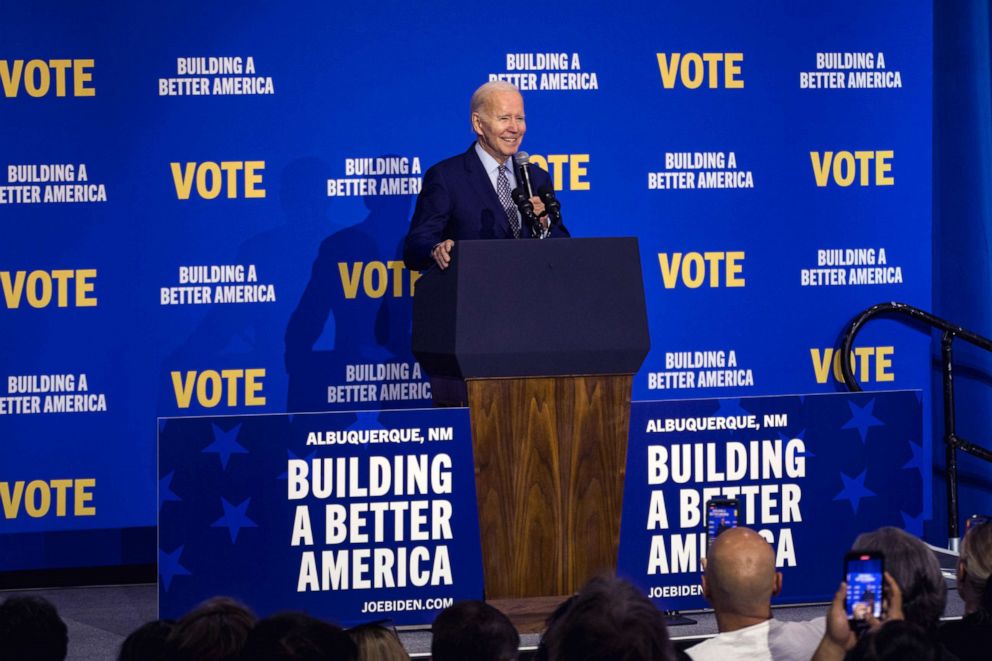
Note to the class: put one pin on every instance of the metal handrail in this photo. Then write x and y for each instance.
(952, 441)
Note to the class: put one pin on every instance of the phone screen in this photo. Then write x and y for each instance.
(720, 515)
(864, 584)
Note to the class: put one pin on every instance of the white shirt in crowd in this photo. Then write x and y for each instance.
(772, 640)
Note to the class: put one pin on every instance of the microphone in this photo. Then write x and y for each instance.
(526, 208)
(522, 159)
(551, 204)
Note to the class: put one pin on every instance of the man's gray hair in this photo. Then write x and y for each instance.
(915, 569)
(480, 95)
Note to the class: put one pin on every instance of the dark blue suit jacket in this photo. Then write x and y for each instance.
(457, 202)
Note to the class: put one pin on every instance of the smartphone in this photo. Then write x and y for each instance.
(721, 514)
(864, 571)
(975, 520)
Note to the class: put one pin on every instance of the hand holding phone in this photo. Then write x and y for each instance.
(864, 573)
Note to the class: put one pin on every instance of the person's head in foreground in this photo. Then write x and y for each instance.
(609, 619)
(740, 578)
(473, 631)
(377, 643)
(974, 567)
(213, 631)
(30, 628)
(915, 568)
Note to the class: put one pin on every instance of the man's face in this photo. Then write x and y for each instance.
(500, 124)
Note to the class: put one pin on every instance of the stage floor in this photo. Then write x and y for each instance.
(100, 618)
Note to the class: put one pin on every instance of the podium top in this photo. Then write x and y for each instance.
(518, 308)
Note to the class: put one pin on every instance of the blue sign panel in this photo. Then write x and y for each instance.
(809, 472)
(351, 516)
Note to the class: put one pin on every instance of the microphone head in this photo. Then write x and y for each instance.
(521, 158)
(546, 192)
(518, 194)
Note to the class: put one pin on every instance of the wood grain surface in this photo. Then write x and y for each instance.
(549, 467)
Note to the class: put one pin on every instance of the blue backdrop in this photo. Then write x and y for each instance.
(224, 149)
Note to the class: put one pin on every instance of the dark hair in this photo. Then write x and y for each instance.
(473, 631)
(298, 637)
(215, 630)
(896, 640)
(30, 628)
(915, 569)
(559, 612)
(609, 619)
(147, 642)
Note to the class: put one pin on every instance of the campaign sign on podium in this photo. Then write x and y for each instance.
(811, 472)
(350, 516)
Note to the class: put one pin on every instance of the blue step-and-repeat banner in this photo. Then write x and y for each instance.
(202, 208)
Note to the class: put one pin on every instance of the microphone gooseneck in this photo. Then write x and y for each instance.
(522, 159)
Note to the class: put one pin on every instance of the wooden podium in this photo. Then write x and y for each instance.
(541, 339)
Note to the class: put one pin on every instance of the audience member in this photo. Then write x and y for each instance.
(377, 643)
(147, 642)
(297, 637)
(896, 640)
(213, 631)
(473, 631)
(971, 637)
(839, 639)
(609, 619)
(915, 568)
(30, 628)
(542, 648)
(739, 582)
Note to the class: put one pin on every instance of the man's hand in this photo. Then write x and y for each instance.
(838, 637)
(442, 253)
(539, 211)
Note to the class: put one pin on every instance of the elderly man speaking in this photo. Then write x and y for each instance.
(469, 196)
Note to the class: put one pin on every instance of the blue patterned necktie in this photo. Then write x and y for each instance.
(503, 192)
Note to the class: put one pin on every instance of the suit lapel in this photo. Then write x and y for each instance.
(479, 179)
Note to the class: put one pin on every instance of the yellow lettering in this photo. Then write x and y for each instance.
(12, 291)
(253, 178)
(669, 269)
(44, 78)
(81, 76)
(253, 387)
(183, 387)
(349, 279)
(11, 501)
(209, 389)
(84, 494)
(668, 69)
(11, 79)
(821, 363)
(37, 499)
(375, 270)
(883, 361)
(84, 286)
(821, 166)
(36, 299)
(60, 486)
(212, 191)
(883, 166)
(578, 171)
(183, 179)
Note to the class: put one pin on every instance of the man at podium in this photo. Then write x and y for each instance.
(470, 196)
